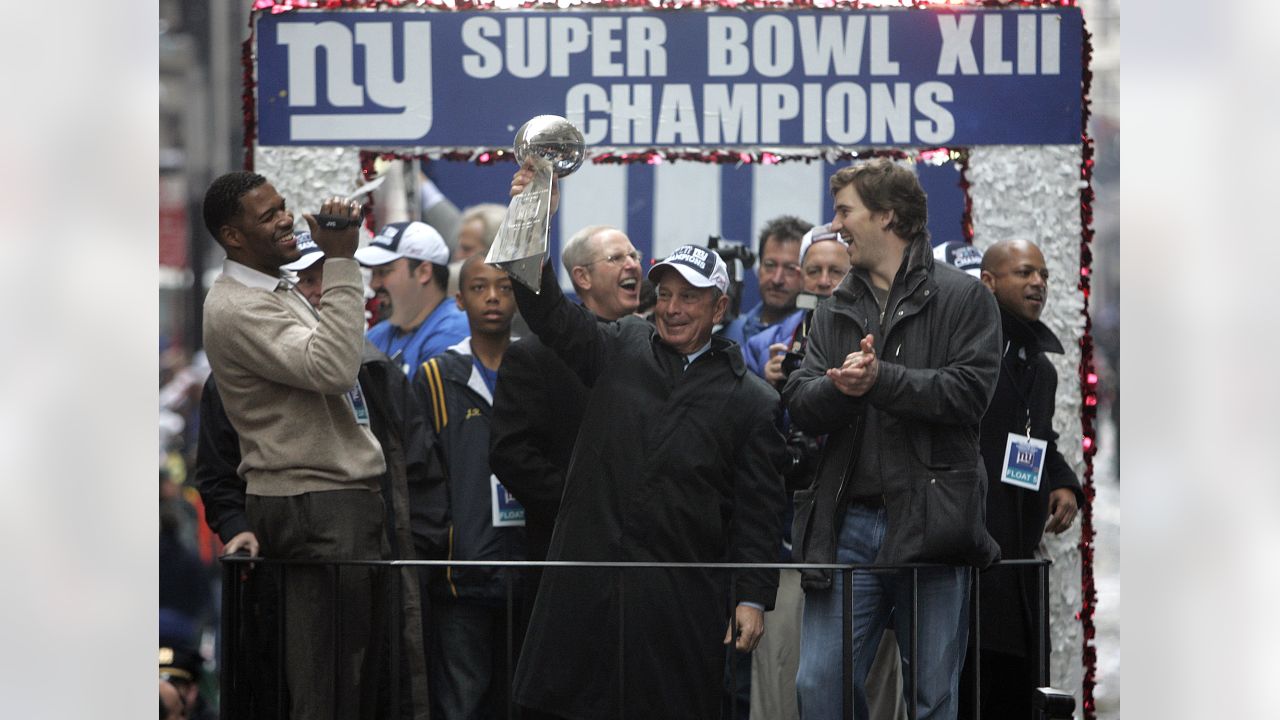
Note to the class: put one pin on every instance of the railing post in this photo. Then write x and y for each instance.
(394, 607)
(229, 665)
(731, 657)
(337, 634)
(282, 619)
(915, 642)
(510, 693)
(976, 618)
(622, 652)
(1042, 576)
(846, 639)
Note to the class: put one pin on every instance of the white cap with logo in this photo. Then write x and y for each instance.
(701, 266)
(960, 255)
(310, 252)
(414, 240)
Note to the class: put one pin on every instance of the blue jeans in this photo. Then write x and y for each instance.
(877, 599)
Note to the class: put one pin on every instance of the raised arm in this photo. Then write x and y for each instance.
(324, 358)
(572, 331)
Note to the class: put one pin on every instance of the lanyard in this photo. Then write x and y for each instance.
(1013, 382)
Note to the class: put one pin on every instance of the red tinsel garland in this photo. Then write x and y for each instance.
(651, 156)
(280, 6)
(248, 106)
(966, 218)
(1089, 391)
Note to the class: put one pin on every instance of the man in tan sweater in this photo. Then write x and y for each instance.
(311, 465)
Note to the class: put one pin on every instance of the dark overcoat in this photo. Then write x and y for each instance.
(938, 347)
(669, 466)
(529, 448)
(1015, 517)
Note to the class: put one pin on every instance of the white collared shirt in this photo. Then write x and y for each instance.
(688, 359)
(249, 277)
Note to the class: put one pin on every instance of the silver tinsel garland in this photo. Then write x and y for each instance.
(1033, 193)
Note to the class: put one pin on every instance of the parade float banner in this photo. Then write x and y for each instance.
(724, 79)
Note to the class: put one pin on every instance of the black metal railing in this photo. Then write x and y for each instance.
(251, 586)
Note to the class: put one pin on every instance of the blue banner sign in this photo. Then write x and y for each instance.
(672, 79)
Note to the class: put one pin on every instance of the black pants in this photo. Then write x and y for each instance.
(1008, 682)
(331, 627)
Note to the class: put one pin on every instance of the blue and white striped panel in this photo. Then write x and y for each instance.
(686, 205)
(661, 207)
(594, 195)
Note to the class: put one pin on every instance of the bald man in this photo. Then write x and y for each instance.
(1023, 500)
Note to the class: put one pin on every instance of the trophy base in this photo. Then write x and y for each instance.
(526, 271)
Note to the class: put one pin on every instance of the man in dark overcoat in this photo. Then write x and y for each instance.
(1018, 516)
(529, 450)
(677, 460)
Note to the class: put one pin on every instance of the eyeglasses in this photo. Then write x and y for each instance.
(617, 258)
(771, 266)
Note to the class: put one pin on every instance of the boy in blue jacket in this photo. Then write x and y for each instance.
(468, 612)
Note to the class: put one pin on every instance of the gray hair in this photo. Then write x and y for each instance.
(489, 214)
(578, 250)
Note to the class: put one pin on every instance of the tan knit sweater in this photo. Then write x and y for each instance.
(284, 377)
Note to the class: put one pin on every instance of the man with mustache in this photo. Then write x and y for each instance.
(410, 265)
(529, 449)
(779, 275)
(1018, 515)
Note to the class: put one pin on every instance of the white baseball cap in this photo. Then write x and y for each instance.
(702, 267)
(817, 234)
(415, 240)
(960, 255)
(310, 252)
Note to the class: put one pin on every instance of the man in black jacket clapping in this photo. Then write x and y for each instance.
(901, 364)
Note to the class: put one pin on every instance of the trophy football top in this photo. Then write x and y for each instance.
(553, 139)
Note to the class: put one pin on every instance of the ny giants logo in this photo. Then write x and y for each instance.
(1026, 456)
(408, 99)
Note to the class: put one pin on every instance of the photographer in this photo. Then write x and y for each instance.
(779, 276)
(773, 354)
